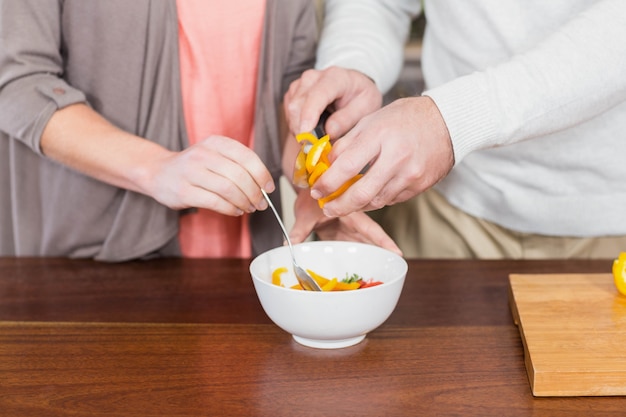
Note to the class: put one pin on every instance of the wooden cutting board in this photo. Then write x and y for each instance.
(573, 329)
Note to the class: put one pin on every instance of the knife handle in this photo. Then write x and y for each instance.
(320, 130)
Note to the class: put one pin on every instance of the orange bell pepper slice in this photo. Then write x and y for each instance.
(338, 191)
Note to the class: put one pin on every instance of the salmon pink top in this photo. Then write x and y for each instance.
(219, 52)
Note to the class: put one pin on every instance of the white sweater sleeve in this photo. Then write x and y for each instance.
(368, 36)
(575, 74)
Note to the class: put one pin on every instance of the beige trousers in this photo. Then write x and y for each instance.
(427, 226)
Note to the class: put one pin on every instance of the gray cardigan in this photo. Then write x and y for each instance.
(120, 57)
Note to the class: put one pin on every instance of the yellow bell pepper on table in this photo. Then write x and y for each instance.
(619, 273)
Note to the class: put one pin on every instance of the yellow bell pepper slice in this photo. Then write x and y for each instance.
(324, 156)
(307, 136)
(330, 285)
(276, 275)
(318, 278)
(327, 284)
(300, 176)
(312, 161)
(619, 273)
(320, 168)
(315, 153)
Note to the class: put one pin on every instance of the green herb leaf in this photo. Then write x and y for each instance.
(351, 278)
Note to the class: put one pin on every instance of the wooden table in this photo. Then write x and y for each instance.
(189, 338)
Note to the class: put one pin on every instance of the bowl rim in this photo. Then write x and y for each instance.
(399, 278)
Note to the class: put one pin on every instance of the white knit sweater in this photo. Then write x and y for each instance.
(533, 93)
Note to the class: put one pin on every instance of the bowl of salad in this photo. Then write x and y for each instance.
(361, 285)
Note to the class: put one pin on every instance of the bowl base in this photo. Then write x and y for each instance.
(328, 344)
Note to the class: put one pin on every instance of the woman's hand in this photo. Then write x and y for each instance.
(218, 173)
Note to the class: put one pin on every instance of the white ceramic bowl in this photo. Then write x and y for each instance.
(330, 319)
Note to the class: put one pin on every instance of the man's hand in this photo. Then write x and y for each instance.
(406, 149)
(349, 93)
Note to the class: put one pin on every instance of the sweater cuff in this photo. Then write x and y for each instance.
(465, 108)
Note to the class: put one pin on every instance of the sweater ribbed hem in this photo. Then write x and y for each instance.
(471, 127)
